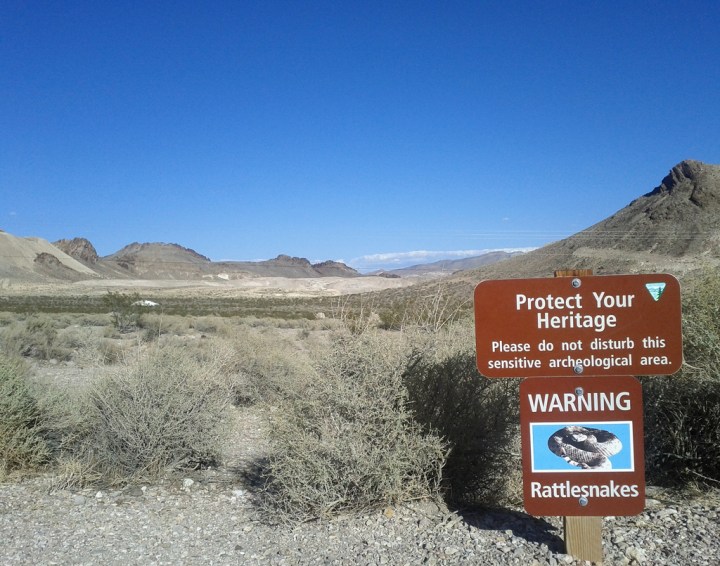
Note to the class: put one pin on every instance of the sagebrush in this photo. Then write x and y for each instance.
(682, 412)
(22, 446)
(159, 409)
(478, 418)
(350, 442)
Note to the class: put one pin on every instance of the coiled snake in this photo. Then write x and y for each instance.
(586, 448)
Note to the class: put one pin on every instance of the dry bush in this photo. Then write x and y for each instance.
(212, 325)
(87, 319)
(34, 337)
(682, 412)
(22, 446)
(356, 318)
(478, 417)
(432, 311)
(267, 366)
(682, 430)
(350, 442)
(98, 351)
(159, 409)
(155, 324)
(7, 318)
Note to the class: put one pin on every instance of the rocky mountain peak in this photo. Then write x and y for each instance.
(693, 180)
(288, 260)
(335, 268)
(153, 251)
(78, 248)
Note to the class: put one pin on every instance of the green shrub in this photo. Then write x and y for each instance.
(682, 430)
(125, 309)
(159, 409)
(682, 412)
(21, 443)
(478, 417)
(349, 442)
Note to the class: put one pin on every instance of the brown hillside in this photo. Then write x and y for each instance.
(678, 218)
(674, 228)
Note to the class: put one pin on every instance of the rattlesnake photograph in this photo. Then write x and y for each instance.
(586, 448)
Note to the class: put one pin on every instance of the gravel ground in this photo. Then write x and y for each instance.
(204, 521)
(211, 519)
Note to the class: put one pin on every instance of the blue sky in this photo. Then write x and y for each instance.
(346, 130)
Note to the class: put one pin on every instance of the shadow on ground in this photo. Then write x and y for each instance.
(533, 529)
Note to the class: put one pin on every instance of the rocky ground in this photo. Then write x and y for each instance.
(203, 521)
(212, 518)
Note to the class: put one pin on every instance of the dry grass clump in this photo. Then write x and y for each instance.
(349, 441)
(22, 446)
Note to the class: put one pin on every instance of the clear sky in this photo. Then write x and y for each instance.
(345, 130)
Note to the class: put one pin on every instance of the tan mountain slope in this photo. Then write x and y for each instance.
(154, 261)
(37, 260)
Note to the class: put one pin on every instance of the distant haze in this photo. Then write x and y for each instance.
(399, 260)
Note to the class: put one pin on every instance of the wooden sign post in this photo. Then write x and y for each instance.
(581, 424)
(582, 535)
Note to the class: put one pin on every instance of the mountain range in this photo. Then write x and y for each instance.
(675, 228)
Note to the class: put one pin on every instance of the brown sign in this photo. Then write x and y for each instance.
(565, 326)
(582, 446)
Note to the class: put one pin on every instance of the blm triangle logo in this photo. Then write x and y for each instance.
(655, 289)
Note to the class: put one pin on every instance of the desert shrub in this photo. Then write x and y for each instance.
(7, 318)
(21, 443)
(125, 309)
(161, 408)
(212, 325)
(98, 351)
(478, 418)
(155, 324)
(87, 319)
(433, 310)
(267, 367)
(682, 412)
(76, 338)
(682, 430)
(35, 337)
(356, 317)
(350, 442)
